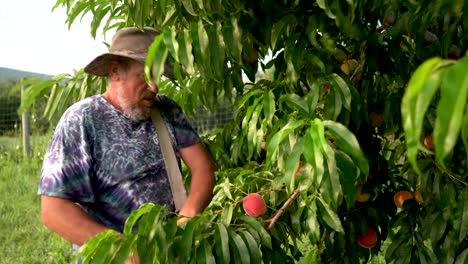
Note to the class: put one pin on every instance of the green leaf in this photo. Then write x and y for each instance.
(331, 187)
(438, 225)
(156, 60)
(217, 50)
(226, 215)
(329, 216)
(464, 219)
(106, 249)
(89, 249)
(240, 246)
(346, 140)
(421, 88)
(189, 7)
(187, 241)
(200, 45)
(344, 90)
(313, 154)
(349, 174)
(269, 106)
(125, 246)
(264, 235)
(312, 223)
(323, 5)
(273, 144)
(134, 216)
(227, 189)
(253, 247)
(171, 42)
(222, 242)
(464, 134)
(453, 101)
(293, 163)
(205, 253)
(185, 50)
(232, 34)
(278, 29)
(462, 258)
(252, 132)
(295, 102)
(333, 106)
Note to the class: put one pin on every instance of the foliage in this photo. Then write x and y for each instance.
(354, 89)
(24, 238)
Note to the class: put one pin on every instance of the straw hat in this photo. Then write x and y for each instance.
(131, 42)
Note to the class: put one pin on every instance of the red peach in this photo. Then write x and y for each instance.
(254, 205)
(400, 197)
(368, 240)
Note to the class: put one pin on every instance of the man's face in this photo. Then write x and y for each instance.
(135, 96)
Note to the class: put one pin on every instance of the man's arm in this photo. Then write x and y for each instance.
(202, 182)
(67, 219)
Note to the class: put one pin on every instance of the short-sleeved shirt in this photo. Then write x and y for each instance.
(109, 164)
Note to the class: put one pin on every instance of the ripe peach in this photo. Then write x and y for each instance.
(361, 197)
(428, 143)
(369, 239)
(400, 197)
(419, 198)
(254, 205)
(348, 66)
(376, 119)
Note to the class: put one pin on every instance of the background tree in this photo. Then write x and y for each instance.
(357, 139)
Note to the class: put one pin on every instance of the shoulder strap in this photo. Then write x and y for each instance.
(175, 178)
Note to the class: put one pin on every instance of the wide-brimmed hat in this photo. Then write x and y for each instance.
(131, 42)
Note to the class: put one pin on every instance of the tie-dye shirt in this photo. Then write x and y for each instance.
(109, 164)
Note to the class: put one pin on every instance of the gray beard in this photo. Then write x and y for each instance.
(133, 112)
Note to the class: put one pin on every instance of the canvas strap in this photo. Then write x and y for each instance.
(175, 177)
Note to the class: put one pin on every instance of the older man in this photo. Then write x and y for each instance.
(105, 160)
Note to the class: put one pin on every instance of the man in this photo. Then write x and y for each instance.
(104, 159)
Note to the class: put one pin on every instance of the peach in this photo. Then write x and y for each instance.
(361, 197)
(376, 119)
(400, 197)
(369, 239)
(419, 198)
(428, 143)
(349, 66)
(254, 205)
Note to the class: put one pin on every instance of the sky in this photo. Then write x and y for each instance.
(35, 39)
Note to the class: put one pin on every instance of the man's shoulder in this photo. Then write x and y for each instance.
(83, 109)
(85, 103)
(167, 105)
(162, 99)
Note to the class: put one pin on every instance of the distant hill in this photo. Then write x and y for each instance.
(12, 74)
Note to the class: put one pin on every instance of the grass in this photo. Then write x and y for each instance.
(23, 237)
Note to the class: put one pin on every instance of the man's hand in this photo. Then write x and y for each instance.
(183, 220)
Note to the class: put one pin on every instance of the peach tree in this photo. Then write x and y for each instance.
(350, 121)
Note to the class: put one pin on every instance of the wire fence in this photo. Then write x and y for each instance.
(208, 120)
(10, 120)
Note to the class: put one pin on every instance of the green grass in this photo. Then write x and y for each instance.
(23, 237)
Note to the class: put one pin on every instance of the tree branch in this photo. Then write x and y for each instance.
(278, 213)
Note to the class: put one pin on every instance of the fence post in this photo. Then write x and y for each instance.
(25, 126)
